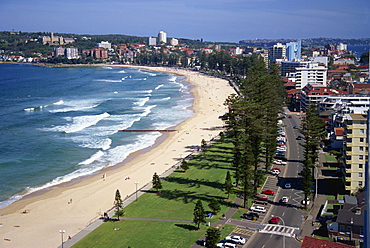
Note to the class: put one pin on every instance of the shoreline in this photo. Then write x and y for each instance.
(74, 205)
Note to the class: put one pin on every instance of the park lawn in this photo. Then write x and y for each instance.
(139, 233)
(176, 200)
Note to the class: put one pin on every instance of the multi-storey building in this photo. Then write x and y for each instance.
(152, 41)
(289, 68)
(355, 151)
(162, 37)
(58, 51)
(105, 45)
(312, 73)
(293, 50)
(275, 52)
(71, 53)
(174, 42)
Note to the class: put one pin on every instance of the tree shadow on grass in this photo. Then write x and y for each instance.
(191, 197)
(187, 227)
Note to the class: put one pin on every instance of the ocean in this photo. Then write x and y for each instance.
(359, 50)
(60, 124)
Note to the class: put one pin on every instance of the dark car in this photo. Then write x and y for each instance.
(250, 216)
(299, 137)
(261, 200)
(295, 127)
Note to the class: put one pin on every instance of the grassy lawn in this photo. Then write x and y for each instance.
(329, 158)
(204, 180)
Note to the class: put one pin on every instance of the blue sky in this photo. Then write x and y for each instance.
(216, 20)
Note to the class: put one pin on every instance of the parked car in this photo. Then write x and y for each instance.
(268, 192)
(290, 116)
(250, 216)
(236, 239)
(276, 168)
(261, 200)
(295, 127)
(274, 220)
(280, 162)
(299, 137)
(284, 199)
(258, 209)
(226, 245)
(288, 185)
(274, 172)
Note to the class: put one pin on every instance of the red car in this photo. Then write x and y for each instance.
(290, 116)
(276, 169)
(274, 220)
(268, 192)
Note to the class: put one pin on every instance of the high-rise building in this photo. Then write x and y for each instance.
(275, 52)
(162, 37)
(293, 50)
(59, 51)
(152, 41)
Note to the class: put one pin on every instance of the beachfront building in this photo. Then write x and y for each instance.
(97, 53)
(293, 50)
(275, 52)
(152, 41)
(58, 51)
(71, 53)
(312, 73)
(162, 37)
(355, 152)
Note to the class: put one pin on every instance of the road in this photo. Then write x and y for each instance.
(291, 214)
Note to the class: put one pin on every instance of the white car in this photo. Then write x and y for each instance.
(258, 209)
(285, 199)
(236, 239)
(308, 202)
(226, 245)
(274, 172)
(281, 162)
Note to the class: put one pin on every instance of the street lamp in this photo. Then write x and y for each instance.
(283, 225)
(62, 232)
(136, 183)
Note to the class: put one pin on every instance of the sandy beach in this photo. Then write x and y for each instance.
(72, 207)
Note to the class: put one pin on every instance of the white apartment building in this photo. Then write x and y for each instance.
(105, 45)
(174, 42)
(162, 37)
(152, 41)
(71, 53)
(313, 73)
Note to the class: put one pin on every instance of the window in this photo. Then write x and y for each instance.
(362, 122)
(360, 183)
(362, 231)
(342, 228)
(349, 228)
(360, 174)
(361, 157)
(361, 148)
(361, 139)
(360, 166)
(362, 130)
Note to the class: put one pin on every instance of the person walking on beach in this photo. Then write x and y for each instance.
(104, 176)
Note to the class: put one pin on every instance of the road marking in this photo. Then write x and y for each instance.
(283, 214)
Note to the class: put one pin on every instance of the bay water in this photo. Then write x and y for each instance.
(62, 123)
